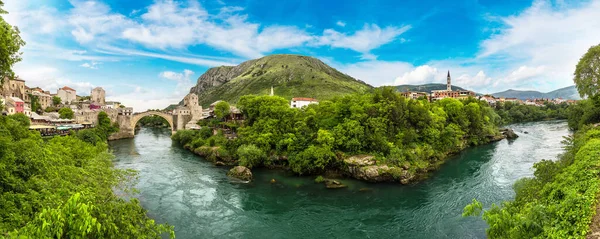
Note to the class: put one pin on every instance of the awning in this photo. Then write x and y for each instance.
(41, 127)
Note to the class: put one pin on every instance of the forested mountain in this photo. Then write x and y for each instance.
(565, 93)
(289, 75)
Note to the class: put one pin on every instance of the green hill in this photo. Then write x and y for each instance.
(289, 75)
(425, 87)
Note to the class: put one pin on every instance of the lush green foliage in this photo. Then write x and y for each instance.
(51, 109)
(56, 100)
(289, 75)
(10, 44)
(101, 132)
(518, 113)
(584, 112)
(64, 188)
(587, 73)
(222, 109)
(250, 155)
(66, 113)
(559, 202)
(397, 131)
(153, 121)
(35, 103)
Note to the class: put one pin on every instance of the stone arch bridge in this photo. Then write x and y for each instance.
(127, 122)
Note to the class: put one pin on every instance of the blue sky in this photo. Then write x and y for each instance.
(148, 54)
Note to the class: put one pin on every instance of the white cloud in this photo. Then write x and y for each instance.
(142, 99)
(548, 39)
(340, 23)
(183, 79)
(90, 65)
(368, 38)
(420, 75)
(376, 73)
(50, 78)
(91, 19)
(183, 58)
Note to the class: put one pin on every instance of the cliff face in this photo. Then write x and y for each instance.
(289, 75)
(217, 76)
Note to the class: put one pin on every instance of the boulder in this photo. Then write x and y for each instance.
(240, 172)
(334, 184)
(510, 134)
(219, 163)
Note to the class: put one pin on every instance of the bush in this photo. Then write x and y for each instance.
(250, 156)
(319, 179)
(311, 160)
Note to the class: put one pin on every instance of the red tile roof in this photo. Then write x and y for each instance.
(303, 99)
(67, 88)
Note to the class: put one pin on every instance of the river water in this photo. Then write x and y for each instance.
(196, 197)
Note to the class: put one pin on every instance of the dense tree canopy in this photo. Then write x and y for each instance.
(35, 103)
(64, 187)
(222, 110)
(56, 100)
(587, 73)
(384, 124)
(66, 113)
(10, 45)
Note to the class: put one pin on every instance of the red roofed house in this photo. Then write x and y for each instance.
(67, 94)
(300, 102)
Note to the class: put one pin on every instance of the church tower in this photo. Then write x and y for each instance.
(449, 84)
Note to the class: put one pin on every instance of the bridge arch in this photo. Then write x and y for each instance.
(138, 116)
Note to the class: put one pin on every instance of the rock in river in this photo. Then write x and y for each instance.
(240, 172)
(509, 133)
(334, 184)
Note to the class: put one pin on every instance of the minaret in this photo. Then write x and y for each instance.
(448, 84)
(272, 94)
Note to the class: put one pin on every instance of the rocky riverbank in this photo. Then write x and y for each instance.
(361, 167)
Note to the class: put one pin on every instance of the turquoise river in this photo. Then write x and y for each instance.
(180, 188)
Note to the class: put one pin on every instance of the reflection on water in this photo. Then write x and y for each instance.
(196, 197)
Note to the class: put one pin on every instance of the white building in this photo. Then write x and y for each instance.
(300, 102)
(67, 94)
(111, 105)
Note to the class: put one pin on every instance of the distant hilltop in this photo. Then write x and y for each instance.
(289, 75)
(568, 93)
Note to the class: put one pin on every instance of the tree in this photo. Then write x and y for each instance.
(10, 44)
(587, 73)
(222, 109)
(35, 103)
(66, 113)
(56, 100)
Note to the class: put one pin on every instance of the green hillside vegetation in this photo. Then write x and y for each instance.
(290, 75)
(410, 136)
